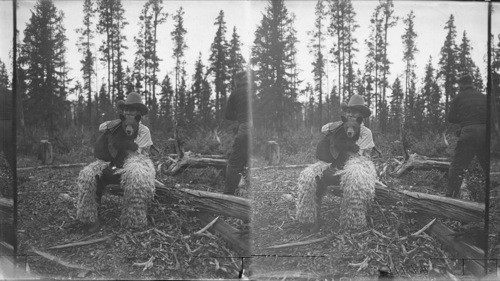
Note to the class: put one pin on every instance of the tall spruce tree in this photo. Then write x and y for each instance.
(374, 59)
(236, 61)
(4, 76)
(388, 21)
(396, 106)
(448, 62)
(166, 101)
(85, 45)
(179, 47)
(316, 47)
(409, 51)
(272, 55)
(42, 58)
(432, 98)
(219, 65)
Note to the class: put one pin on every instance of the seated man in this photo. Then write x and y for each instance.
(354, 109)
(137, 177)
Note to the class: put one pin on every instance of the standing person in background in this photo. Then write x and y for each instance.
(239, 109)
(468, 109)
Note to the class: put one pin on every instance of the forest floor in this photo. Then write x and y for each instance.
(385, 242)
(163, 249)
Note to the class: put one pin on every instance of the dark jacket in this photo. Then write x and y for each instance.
(238, 104)
(468, 107)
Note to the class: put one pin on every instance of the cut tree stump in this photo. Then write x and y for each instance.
(471, 256)
(45, 152)
(427, 204)
(420, 162)
(272, 153)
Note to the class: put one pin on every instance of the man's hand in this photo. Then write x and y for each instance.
(144, 150)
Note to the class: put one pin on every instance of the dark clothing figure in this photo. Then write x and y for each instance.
(238, 109)
(468, 109)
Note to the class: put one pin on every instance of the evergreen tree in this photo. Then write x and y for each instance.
(166, 101)
(219, 65)
(4, 76)
(118, 47)
(448, 63)
(197, 87)
(388, 21)
(350, 49)
(396, 108)
(105, 109)
(179, 47)
(85, 45)
(431, 97)
(316, 48)
(409, 51)
(236, 61)
(42, 59)
(374, 59)
(273, 57)
(465, 63)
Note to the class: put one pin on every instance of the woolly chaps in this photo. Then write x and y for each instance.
(358, 190)
(306, 203)
(138, 183)
(358, 187)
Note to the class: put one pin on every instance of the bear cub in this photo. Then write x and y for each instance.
(344, 140)
(339, 144)
(124, 142)
(116, 143)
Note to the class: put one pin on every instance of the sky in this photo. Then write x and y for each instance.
(430, 18)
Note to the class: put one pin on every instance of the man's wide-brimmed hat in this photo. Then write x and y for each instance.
(357, 102)
(134, 101)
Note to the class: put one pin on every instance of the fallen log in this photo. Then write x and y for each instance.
(52, 166)
(420, 162)
(471, 256)
(195, 162)
(202, 201)
(229, 233)
(281, 167)
(213, 156)
(7, 208)
(427, 204)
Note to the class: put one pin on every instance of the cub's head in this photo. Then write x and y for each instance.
(130, 124)
(352, 127)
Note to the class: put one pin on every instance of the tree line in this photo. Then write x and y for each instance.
(183, 100)
(402, 103)
(201, 99)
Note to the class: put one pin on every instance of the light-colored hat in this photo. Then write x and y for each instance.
(134, 101)
(357, 102)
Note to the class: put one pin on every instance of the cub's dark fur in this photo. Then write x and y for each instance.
(115, 144)
(338, 145)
